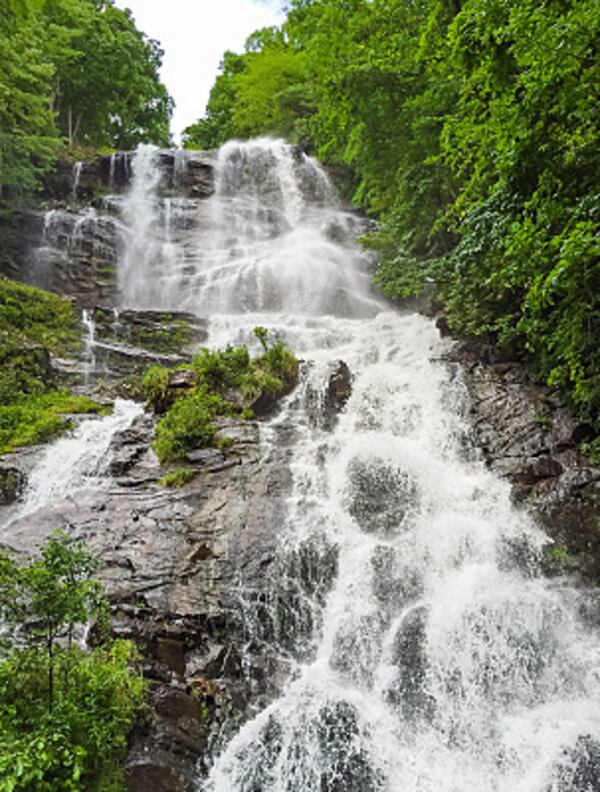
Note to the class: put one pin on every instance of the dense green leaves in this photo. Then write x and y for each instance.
(64, 713)
(75, 71)
(221, 382)
(472, 130)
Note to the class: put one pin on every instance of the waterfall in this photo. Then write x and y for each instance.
(76, 178)
(423, 651)
(437, 658)
(270, 239)
(89, 353)
(78, 460)
(441, 660)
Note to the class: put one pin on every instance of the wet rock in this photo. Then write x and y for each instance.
(129, 446)
(381, 497)
(527, 435)
(580, 769)
(339, 388)
(177, 729)
(410, 658)
(12, 484)
(177, 566)
(443, 327)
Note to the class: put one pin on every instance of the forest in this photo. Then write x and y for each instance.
(470, 130)
(74, 74)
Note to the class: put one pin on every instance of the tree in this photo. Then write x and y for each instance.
(64, 713)
(77, 71)
(28, 137)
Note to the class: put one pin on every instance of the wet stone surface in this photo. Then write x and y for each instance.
(527, 435)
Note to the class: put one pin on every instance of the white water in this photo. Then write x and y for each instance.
(440, 660)
(78, 460)
(77, 167)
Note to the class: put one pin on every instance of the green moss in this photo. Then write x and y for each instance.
(559, 553)
(37, 419)
(591, 450)
(35, 317)
(34, 325)
(177, 478)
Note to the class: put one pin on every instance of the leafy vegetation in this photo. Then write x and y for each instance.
(177, 478)
(471, 130)
(33, 325)
(223, 382)
(64, 713)
(76, 72)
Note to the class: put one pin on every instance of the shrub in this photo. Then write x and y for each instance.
(177, 478)
(188, 424)
(225, 379)
(64, 713)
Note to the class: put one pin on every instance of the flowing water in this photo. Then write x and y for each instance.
(437, 659)
(432, 656)
(78, 460)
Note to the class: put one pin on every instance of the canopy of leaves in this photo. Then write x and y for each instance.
(77, 71)
(472, 130)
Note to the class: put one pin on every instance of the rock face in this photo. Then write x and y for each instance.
(71, 244)
(168, 561)
(526, 434)
(121, 345)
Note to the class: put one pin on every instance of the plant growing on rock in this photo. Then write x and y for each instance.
(219, 382)
(64, 713)
(177, 478)
(34, 325)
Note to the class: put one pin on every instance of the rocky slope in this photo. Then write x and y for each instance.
(526, 433)
(179, 564)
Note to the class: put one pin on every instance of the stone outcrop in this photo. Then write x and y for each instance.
(71, 243)
(527, 434)
(176, 564)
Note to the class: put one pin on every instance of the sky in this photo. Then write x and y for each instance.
(194, 35)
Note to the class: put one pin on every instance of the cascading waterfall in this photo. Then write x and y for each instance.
(270, 239)
(426, 653)
(439, 659)
(78, 460)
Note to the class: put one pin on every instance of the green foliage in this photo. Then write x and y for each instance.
(64, 714)
(177, 478)
(262, 334)
(188, 424)
(591, 450)
(74, 69)
(472, 130)
(155, 385)
(266, 90)
(33, 325)
(37, 419)
(226, 382)
(30, 316)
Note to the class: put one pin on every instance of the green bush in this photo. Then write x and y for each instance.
(155, 385)
(225, 380)
(177, 478)
(188, 424)
(65, 714)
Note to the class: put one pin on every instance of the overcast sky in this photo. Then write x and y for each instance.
(194, 34)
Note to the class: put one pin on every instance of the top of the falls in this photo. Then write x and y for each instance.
(271, 237)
